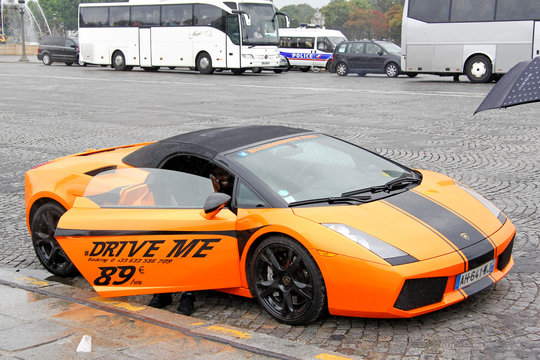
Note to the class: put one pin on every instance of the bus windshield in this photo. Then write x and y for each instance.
(262, 30)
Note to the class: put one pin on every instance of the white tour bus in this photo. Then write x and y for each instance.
(482, 39)
(206, 35)
(306, 47)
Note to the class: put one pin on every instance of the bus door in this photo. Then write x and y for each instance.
(233, 42)
(145, 47)
(536, 44)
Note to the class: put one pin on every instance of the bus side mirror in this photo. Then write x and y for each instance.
(247, 19)
(214, 203)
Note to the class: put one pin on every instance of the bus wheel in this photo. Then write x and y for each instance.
(257, 70)
(478, 69)
(342, 69)
(278, 71)
(119, 61)
(304, 68)
(204, 63)
(391, 70)
(412, 74)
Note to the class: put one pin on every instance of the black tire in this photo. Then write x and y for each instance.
(257, 70)
(172, 67)
(47, 59)
(412, 74)
(43, 225)
(342, 69)
(328, 66)
(304, 68)
(278, 71)
(392, 69)
(238, 71)
(119, 61)
(287, 282)
(69, 63)
(361, 74)
(478, 69)
(204, 63)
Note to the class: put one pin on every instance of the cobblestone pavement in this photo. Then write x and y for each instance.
(426, 122)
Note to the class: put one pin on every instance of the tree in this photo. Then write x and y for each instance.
(393, 18)
(298, 14)
(336, 14)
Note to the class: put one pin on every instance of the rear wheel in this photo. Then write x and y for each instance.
(392, 70)
(478, 69)
(47, 60)
(119, 61)
(204, 63)
(342, 69)
(412, 74)
(238, 71)
(287, 282)
(50, 254)
(257, 70)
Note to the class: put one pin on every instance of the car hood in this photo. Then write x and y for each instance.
(433, 219)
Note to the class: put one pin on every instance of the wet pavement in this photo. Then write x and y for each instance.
(426, 122)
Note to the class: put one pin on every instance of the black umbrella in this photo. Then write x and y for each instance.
(520, 85)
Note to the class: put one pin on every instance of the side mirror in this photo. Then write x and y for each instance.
(214, 203)
(381, 53)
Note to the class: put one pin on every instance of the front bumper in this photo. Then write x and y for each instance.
(365, 289)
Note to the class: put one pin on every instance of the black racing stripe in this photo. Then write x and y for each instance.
(502, 218)
(478, 286)
(80, 233)
(243, 237)
(458, 231)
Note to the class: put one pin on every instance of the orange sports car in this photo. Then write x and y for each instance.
(302, 221)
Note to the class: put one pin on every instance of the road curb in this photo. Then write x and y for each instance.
(40, 282)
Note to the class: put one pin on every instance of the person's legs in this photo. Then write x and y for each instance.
(160, 300)
(186, 304)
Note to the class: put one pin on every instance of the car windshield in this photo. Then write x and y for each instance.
(390, 47)
(334, 40)
(316, 166)
(262, 30)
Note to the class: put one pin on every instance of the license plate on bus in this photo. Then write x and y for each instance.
(266, 63)
(472, 276)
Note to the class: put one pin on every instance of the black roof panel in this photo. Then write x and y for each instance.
(207, 143)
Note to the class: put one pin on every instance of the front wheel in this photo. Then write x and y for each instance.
(287, 282)
(342, 69)
(257, 70)
(478, 69)
(204, 63)
(119, 61)
(391, 70)
(47, 60)
(50, 254)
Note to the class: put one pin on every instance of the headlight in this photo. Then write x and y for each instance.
(247, 56)
(484, 202)
(386, 251)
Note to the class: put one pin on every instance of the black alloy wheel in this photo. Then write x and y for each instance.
(50, 254)
(287, 281)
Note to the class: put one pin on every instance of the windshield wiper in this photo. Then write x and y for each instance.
(333, 200)
(389, 186)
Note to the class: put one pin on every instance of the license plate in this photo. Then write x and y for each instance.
(472, 276)
(266, 63)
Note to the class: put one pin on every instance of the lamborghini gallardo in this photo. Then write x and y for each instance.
(302, 221)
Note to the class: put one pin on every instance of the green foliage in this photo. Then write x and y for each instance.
(298, 14)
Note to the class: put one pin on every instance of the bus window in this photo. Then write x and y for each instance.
(472, 10)
(233, 29)
(176, 15)
(144, 15)
(94, 16)
(119, 16)
(209, 15)
(430, 11)
(518, 10)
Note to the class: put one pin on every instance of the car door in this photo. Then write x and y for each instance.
(355, 56)
(58, 49)
(71, 50)
(373, 57)
(143, 231)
